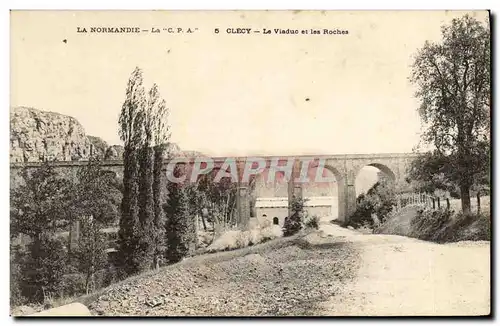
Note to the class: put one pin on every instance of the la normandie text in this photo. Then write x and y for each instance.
(122, 30)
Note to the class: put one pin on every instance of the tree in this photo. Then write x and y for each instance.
(219, 196)
(161, 137)
(146, 168)
(43, 268)
(40, 205)
(177, 225)
(453, 86)
(91, 253)
(131, 133)
(96, 193)
(144, 131)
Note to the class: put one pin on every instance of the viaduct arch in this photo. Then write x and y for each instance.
(344, 167)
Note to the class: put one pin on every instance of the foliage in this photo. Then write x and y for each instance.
(379, 201)
(219, 197)
(177, 224)
(294, 222)
(17, 254)
(453, 86)
(43, 266)
(158, 235)
(39, 208)
(40, 205)
(73, 284)
(144, 131)
(312, 222)
(96, 193)
(91, 252)
(443, 226)
(428, 221)
(131, 134)
(161, 147)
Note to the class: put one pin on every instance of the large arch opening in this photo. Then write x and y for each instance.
(323, 192)
(375, 193)
(370, 174)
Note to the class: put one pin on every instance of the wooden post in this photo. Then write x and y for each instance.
(448, 203)
(439, 202)
(433, 203)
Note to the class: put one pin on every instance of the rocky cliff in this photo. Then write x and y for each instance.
(38, 135)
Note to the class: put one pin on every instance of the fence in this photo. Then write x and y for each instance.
(434, 202)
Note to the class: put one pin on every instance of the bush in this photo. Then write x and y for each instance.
(379, 201)
(465, 227)
(442, 226)
(294, 223)
(312, 222)
(73, 284)
(428, 222)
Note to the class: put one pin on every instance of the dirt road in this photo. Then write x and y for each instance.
(404, 276)
(334, 271)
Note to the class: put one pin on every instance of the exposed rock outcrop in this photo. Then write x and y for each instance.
(99, 146)
(38, 136)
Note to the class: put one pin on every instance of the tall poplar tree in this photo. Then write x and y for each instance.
(131, 133)
(161, 136)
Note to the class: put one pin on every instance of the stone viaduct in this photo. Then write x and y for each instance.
(344, 167)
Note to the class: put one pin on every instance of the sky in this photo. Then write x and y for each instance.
(234, 94)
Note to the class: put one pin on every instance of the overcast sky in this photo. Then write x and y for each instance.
(234, 94)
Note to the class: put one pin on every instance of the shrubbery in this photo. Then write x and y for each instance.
(294, 223)
(312, 222)
(443, 226)
(427, 224)
(379, 200)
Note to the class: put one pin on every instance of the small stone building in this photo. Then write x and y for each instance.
(269, 208)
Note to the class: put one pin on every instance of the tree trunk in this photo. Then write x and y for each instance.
(87, 281)
(465, 198)
(203, 221)
(478, 203)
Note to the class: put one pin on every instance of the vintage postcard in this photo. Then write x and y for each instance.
(250, 163)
